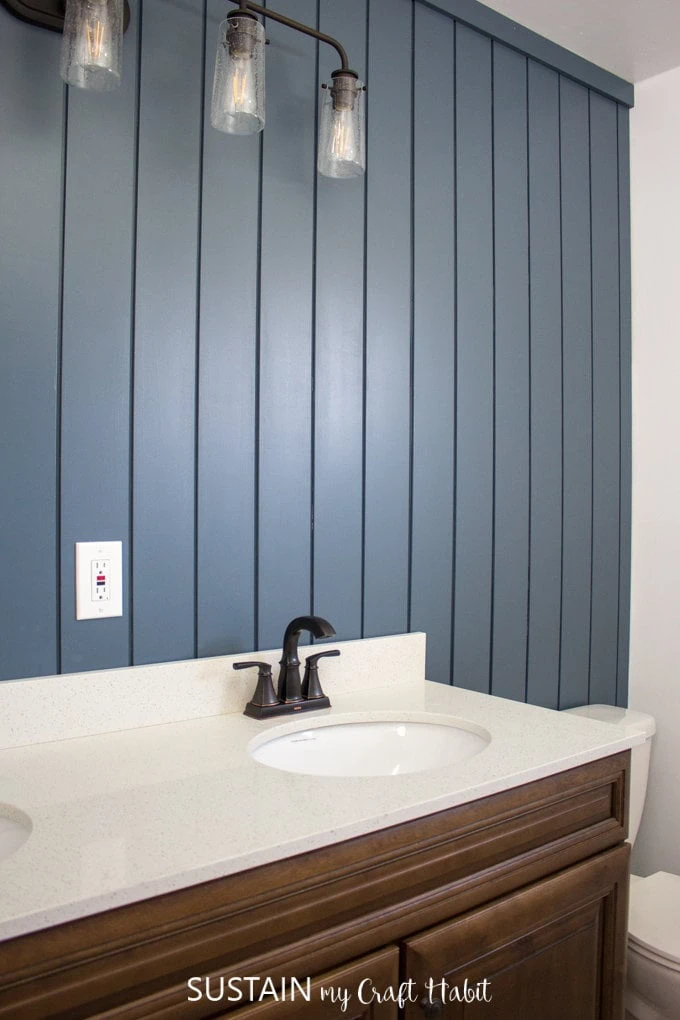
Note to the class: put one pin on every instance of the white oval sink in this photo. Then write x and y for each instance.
(15, 828)
(370, 747)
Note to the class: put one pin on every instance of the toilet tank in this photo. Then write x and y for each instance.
(630, 721)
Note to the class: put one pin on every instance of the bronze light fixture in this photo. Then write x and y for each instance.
(92, 36)
(91, 58)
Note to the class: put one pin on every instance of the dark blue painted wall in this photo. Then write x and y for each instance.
(401, 402)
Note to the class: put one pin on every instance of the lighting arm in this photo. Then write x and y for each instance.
(266, 12)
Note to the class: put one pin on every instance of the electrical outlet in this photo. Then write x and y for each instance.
(99, 580)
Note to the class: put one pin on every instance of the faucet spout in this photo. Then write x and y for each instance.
(289, 684)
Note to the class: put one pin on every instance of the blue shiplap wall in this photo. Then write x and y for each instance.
(402, 402)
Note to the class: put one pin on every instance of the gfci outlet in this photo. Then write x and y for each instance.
(99, 580)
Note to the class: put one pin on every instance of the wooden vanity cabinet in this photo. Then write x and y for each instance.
(526, 888)
(550, 951)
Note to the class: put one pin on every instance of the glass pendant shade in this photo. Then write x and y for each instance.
(238, 86)
(342, 134)
(92, 44)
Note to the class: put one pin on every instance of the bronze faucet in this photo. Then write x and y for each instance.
(293, 695)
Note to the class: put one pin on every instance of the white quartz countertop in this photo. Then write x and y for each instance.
(123, 816)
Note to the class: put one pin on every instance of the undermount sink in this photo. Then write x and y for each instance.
(370, 747)
(15, 828)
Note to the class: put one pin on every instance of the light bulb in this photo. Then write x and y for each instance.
(238, 87)
(343, 140)
(92, 44)
(341, 131)
(243, 97)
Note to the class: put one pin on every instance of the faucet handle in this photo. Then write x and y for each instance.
(264, 695)
(311, 688)
(312, 660)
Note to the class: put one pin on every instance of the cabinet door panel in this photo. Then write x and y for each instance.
(370, 978)
(555, 950)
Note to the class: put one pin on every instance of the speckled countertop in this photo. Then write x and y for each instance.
(122, 816)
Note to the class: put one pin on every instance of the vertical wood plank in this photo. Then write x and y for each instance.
(546, 387)
(388, 320)
(31, 160)
(625, 376)
(288, 175)
(606, 404)
(338, 376)
(95, 444)
(577, 383)
(434, 337)
(475, 352)
(226, 412)
(165, 331)
(511, 462)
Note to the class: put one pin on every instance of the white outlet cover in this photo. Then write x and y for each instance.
(87, 607)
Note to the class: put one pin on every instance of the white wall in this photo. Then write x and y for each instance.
(655, 609)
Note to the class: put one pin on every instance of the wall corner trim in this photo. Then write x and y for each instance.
(499, 27)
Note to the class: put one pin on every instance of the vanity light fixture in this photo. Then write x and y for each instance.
(238, 86)
(238, 90)
(91, 59)
(93, 34)
(92, 44)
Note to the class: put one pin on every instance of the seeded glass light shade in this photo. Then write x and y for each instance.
(342, 136)
(238, 87)
(92, 44)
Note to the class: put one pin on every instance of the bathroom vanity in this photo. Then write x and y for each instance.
(504, 876)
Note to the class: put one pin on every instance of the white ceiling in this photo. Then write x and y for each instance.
(635, 39)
